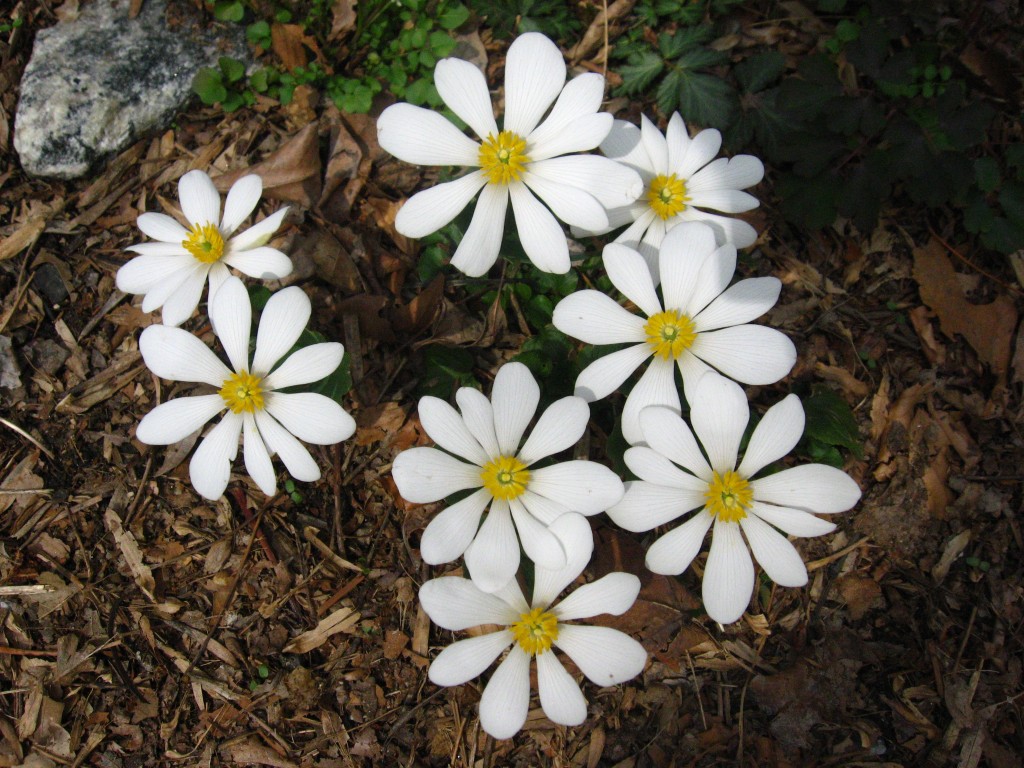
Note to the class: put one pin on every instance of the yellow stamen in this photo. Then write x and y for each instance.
(242, 392)
(670, 333)
(205, 242)
(506, 477)
(535, 631)
(728, 496)
(503, 158)
(667, 196)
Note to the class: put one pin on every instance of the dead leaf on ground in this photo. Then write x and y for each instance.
(331, 259)
(290, 42)
(415, 317)
(379, 422)
(291, 174)
(343, 18)
(988, 328)
(342, 620)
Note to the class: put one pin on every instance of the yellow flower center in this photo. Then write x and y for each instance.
(728, 497)
(670, 333)
(505, 477)
(242, 392)
(535, 631)
(503, 158)
(667, 196)
(205, 242)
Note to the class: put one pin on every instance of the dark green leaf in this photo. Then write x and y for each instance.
(986, 173)
(209, 86)
(707, 100)
(453, 16)
(233, 69)
(760, 71)
(640, 72)
(667, 94)
(228, 10)
(830, 421)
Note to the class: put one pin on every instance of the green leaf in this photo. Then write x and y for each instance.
(208, 85)
(707, 100)
(453, 17)
(228, 10)
(258, 33)
(667, 93)
(760, 71)
(233, 101)
(233, 69)
(831, 422)
(640, 72)
(986, 173)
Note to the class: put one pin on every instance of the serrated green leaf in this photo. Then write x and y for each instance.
(673, 44)
(830, 421)
(707, 100)
(760, 71)
(667, 93)
(700, 58)
(640, 72)
(986, 173)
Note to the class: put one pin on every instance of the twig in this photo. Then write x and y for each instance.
(15, 428)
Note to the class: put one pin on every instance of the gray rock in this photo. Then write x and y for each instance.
(97, 83)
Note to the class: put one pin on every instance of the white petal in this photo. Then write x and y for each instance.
(460, 662)
(464, 89)
(577, 539)
(624, 146)
(692, 369)
(655, 144)
(177, 419)
(534, 76)
(715, 274)
(506, 699)
(719, 417)
(560, 697)
(606, 374)
(258, 234)
(311, 417)
(560, 426)
(752, 354)
(282, 322)
(142, 273)
(446, 428)
(257, 460)
(177, 355)
(514, 399)
(725, 200)
(775, 435)
(667, 433)
(455, 603)
(580, 98)
(542, 237)
(613, 593)
(210, 468)
(650, 465)
(219, 275)
(307, 365)
(672, 553)
(628, 272)
(727, 229)
(423, 137)
(583, 486)
(701, 150)
(513, 597)
(200, 200)
(159, 249)
(179, 306)
(427, 474)
(774, 553)
(646, 505)
(678, 140)
(479, 247)
(581, 134)
(544, 509)
(159, 293)
(728, 576)
(231, 315)
(795, 522)
(595, 318)
(811, 487)
(539, 544)
(478, 415)
(161, 227)
(605, 655)
(657, 386)
(613, 184)
(451, 532)
(743, 302)
(429, 210)
(279, 440)
(650, 246)
(683, 253)
(241, 201)
(493, 557)
(572, 205)
(263, 263)
(733, 173)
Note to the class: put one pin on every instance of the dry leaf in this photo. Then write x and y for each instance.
(342, 620)
(251, 752)
(291, 174)
(289, 42)
(343, 18)
(988, 328)
(332, 260)
(129, 547)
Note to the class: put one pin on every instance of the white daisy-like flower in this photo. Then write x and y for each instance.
(269, 420)
(606, 656)
(525, 160)
(482, 453)
(172, 271)
(702, 324)
(728, 495)
(681, 180)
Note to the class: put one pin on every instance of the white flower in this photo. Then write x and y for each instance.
(606, 656)
(172, 272)
(728, 495)
(525, 499)
(269, 419)
(520, 161)
(680, 180)
(701, 324)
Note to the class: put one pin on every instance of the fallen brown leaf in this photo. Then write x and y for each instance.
(291, 174)
(342, 620)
